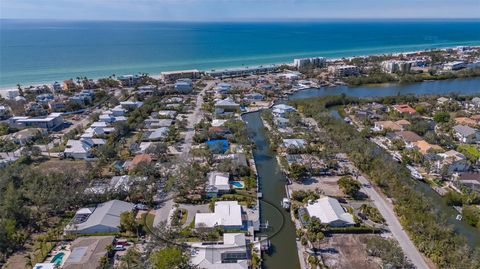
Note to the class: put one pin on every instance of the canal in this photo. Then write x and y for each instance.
(272, 181)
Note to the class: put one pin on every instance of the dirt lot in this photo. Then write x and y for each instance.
(78, 167)
(326, 185)
(348, 251)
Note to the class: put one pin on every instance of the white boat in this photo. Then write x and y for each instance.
(459, 217)
(286, 203)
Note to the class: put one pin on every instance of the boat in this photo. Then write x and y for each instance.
(286, 203)
(459, 217)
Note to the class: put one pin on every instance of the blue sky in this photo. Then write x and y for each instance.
(236, 10)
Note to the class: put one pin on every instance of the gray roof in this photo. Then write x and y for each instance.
(87, 252)
(464, 130)
(106, 214)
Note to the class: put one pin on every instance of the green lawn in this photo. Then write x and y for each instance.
(470, 151)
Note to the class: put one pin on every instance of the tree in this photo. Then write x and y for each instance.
(131, 260)
(169, 258)
(349, 186)
(441, 117)
(128, 223)
(297, 171)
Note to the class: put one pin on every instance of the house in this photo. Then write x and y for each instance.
(344, 70)
(387, 125)
(167, 114)
(183, 85)
(466, 121)
(442, 100)
(69, 85)
(128, 80)
(57, 106)
(227, 214)
(424, 147)
(131, 105)
(294, 143)
(452, 161)
(87, 252)
(156, 123)
(218, 122)
(281, 109)
(57, 87)
(4, 112)
(10, 94)
(24, 136)
(217, 184)
(81, 149)
(232, 253)
(403, 123)
(255, 96)
(281, 122)
(456, 65)
(174, 75)
(466, 134)
(104, 218)
(476, 102)
(35, 109)
(408, 137)
(329, 211)
(156, 134)
(49, 122)
(404, 108)
(470, 180)
(138, 159)
(223, 87)
(226, 106)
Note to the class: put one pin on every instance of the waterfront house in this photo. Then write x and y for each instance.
(232, 253)
(227, 215)
(69, 85)
(476, 102)
(226, 106)
(172, 76)
(329, 211)
(217, 184)
(466, 134)
(344, 70)
(104, 218)
(128, 80)
(87, 252)
(57, 87)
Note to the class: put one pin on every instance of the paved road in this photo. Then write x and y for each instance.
(162, 213)
(193, 119)
(386, 209)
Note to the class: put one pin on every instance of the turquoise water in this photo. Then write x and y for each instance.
(238, 184)
(44, 51)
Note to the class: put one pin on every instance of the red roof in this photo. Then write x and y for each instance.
(404, 108)
(141, 158)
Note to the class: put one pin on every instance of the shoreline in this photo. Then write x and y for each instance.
(157, 73)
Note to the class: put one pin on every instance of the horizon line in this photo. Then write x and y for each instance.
(300, 20)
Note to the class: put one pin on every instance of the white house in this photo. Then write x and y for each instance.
(329, 211)
(227, 214)
(229, 254)
(217, 184)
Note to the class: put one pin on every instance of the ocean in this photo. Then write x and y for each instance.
(33, 51)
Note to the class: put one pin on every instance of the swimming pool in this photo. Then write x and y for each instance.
(57, 259)
(238, 184)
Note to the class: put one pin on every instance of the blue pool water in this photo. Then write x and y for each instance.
(238, 184)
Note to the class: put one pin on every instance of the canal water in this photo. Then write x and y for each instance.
(272, 181)
(283, 252)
